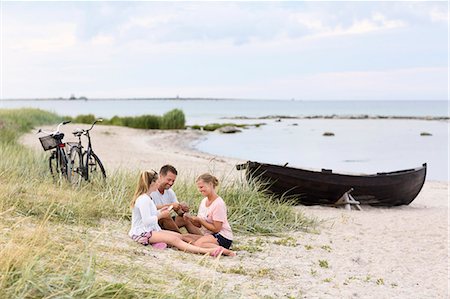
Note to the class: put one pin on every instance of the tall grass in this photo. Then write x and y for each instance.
(173, 119)
(250, 211)
(14, 122)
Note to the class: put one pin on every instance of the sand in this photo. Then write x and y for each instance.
(399, 252)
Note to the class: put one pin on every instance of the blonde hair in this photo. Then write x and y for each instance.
(146, 178)
(208, 178)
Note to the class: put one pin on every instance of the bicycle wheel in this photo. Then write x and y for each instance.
(58, 165)
(95, 169)
(64, 164)
(53, 166)
(76, 169)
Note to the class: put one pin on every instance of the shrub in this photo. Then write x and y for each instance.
(85, 119)
(174, 119)
(196, 127)
(145, 122)
(115, 121)
(13, 122)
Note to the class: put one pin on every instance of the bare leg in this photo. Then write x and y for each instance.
(179, 221)
(191, 227)
(207, 241)
(169, 238)
(178, 235)
(190, 238)
(169, 224)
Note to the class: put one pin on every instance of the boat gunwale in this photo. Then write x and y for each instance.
(330, 173)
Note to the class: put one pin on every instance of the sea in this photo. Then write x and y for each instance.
(358, 145)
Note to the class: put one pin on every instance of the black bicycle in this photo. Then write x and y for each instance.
(85, 163)
(58, 162)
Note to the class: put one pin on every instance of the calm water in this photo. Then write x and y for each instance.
(205, 111)
(359, 146)
(364, 146)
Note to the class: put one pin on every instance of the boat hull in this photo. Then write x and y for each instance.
(325, 187)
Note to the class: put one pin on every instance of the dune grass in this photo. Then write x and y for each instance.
(172, 120)
(46, 243)
(250, 211)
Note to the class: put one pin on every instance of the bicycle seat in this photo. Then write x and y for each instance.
(58, 136)
(77, 132)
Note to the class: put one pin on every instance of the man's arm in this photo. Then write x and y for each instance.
(175, 206)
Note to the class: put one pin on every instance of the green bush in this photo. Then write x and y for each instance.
(174, 119)
(196, 127)
(145, 122)
(14, 122)
(114, 121)
(84, 119)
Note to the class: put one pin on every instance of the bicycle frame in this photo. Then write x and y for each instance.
(86, 157)
(63, 163)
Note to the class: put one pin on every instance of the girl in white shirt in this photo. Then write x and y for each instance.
(144, 220)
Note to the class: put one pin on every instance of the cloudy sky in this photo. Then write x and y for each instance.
(252, 50)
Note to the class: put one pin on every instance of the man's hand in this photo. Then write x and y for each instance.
(176, 206)
(164, 213)
(184, 207)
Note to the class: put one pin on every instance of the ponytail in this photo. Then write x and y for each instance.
(146, 178)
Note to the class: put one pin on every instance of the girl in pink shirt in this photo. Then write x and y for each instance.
(211, 226)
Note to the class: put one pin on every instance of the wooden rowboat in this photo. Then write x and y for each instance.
(325, 187)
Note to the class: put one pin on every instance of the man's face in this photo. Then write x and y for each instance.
(167, 181)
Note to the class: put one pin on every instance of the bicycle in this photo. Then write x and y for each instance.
(85, 163)
(58, 162)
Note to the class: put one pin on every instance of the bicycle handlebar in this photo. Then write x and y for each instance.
(57, 129)
(96, 121)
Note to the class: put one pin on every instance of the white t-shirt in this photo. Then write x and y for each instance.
(144, 217)
(167, 197)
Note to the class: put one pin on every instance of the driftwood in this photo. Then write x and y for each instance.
(348, 201)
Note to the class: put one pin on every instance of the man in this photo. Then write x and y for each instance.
(166, 197)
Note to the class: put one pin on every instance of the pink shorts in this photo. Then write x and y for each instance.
(143, 238)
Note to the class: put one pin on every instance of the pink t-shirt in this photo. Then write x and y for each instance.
(217, 211)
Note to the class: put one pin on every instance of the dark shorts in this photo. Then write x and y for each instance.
(224, 242)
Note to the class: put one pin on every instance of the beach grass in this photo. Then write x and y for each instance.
(56, 238)
(172, 120)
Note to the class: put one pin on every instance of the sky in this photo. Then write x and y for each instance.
(245, 50)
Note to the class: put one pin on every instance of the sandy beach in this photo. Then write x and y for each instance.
(399, 252)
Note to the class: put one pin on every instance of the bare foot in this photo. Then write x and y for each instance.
(228, 252)
(218, 251)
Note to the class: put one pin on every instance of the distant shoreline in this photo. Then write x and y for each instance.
(200, 99)
(138, 99)
(347, 113)
(336, 116)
